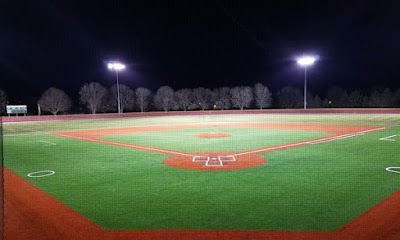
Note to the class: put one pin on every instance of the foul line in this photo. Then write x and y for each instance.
(151, 149)
(327, 139)
(338, 138)
(268, 149)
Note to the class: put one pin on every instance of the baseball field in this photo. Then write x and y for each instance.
(237, 175)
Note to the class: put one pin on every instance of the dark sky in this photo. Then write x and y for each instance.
(187, 43)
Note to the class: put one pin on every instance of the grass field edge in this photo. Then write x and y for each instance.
(69, 224)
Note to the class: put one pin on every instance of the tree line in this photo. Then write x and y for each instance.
(98, 99)
(337, 97)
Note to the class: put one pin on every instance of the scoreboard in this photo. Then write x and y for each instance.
(16, 109)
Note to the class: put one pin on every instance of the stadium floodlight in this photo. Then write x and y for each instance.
(305, 61)
(116, 66)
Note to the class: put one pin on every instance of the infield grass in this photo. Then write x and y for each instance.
(313, 187)
(241, 139)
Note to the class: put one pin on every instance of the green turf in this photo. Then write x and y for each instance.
(314, 187)
(339, 178)
(37, 128)
(241, 139)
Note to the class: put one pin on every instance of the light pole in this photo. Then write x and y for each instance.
(305, 61)
(116, 66)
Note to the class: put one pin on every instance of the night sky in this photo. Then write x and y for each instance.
(65, 44)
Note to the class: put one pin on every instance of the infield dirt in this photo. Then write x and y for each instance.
(244, 159)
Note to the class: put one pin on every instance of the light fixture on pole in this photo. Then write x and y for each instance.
(116, 66)
(305, 61)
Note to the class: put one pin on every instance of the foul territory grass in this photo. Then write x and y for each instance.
(314, 187)
(240, 139)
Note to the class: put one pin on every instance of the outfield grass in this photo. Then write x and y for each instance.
(314, 187)
(37, 128)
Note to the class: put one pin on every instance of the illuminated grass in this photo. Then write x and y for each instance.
(241, 139)
(314, 187)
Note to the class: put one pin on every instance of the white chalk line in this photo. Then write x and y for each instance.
(388, 138)
(32, 133)
(47, 142)
(327, 139)
(154, 125)
(151, 149)
(220, 160)
(268, 149)
(338, 138)
(38, 174)
(391, 169)
(219, 124)
(144, 126)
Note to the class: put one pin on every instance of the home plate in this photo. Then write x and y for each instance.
(214, 161)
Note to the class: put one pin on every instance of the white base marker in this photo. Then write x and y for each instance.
(388, 138)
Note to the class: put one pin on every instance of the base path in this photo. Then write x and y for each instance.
(213, 135)
(215, 160)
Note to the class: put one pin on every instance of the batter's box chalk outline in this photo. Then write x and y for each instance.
(227, 158)
(217, 161)
(200, 158)
(214, 162)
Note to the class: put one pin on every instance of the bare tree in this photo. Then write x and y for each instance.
(313, 102)
(396, 98)
(184, 99)
(241, 97)
(381, 99)
(222, 97)
(143, 98)
(93, 95)
(388, 98)
(126, 96)
(343, 100)
(202, 97)
(326, 103)
(289, 97)
(375, 99)
(317, 102)
(164, 98)
(108, 104)
(262, 96)
(335, 96)
(365, 101)
(55, 100)
(3, 101)
(355, 99)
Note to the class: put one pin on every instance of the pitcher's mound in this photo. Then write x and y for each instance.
(213, 135)
(215, 161)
